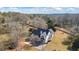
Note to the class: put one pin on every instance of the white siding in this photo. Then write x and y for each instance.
(47, 37)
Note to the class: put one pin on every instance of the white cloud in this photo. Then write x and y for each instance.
(58, 9)
(15, 9)
(70, 9)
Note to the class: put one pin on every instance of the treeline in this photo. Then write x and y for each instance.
(67, 21)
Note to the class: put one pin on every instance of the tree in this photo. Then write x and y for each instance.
(75, 43)
(72, 42)
(51, 24)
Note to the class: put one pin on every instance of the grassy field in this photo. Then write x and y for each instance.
(56, 43)
(4, 37)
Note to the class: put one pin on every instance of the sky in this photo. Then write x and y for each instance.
(41, 10)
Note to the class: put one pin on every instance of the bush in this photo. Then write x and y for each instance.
(72, 42)
(7, 42)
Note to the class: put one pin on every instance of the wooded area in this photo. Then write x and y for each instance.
(14, 24)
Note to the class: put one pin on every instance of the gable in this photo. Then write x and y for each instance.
(43, 34)
(40, 32)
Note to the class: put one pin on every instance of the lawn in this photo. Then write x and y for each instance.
(56, 43)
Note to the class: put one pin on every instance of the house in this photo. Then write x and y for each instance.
(41, 36)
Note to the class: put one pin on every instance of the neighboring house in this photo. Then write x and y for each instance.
(41, 36)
